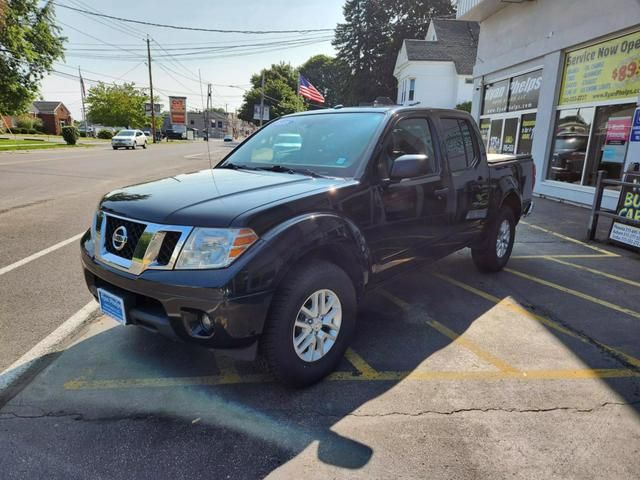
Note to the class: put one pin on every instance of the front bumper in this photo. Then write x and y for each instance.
(170, 302)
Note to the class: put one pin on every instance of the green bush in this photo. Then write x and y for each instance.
(83, 134)
(105, 134)
(70, 135)
(32, 131)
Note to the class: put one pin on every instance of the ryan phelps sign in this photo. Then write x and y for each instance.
(604, 71)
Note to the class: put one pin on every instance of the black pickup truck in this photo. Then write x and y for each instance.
(274, 247)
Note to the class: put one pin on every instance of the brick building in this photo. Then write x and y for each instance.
(54, 116)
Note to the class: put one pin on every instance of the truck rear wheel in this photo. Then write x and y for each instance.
(496, 250)
(310, 324)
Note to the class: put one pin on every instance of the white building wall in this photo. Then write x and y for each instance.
(436, 84)
(522, 36)
(464, 90)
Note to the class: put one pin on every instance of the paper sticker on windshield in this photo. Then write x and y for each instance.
(341, 160)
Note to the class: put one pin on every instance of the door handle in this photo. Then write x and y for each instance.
(441, 191)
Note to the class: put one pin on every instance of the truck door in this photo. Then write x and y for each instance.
(469, 195)
(410, 214)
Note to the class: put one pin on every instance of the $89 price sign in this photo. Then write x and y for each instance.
(626, 71)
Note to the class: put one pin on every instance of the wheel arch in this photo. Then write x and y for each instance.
(322, 236)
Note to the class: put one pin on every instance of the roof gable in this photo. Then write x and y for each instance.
(457, 42)
(42, 106)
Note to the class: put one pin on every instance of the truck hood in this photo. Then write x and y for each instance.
(210, 198)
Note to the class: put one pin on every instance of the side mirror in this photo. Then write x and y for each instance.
(409, 166)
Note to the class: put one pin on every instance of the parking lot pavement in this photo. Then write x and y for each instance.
(530, 373)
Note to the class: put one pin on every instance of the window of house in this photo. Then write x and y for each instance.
(458, 142)
(468, 80)
(412, 88)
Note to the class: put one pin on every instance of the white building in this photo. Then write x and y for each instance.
(559, 80)
(437, 71)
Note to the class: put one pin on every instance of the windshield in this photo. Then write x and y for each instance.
(126, 133)
(327, 144)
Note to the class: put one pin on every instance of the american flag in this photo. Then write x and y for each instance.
(309, 91)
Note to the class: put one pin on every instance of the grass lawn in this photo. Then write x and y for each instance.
(10, 145)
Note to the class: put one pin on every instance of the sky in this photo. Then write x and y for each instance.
(114, 51)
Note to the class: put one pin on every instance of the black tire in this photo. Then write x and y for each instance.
(144, 145)
(277, 338)
(115, 148)
(487, 258)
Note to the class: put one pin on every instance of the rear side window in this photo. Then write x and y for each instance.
(458, 143)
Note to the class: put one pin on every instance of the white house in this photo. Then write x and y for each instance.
(437, 72)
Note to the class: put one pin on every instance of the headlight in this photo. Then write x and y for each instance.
(214, 247)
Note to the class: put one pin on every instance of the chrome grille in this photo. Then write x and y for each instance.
(148, 246)
(134, 232)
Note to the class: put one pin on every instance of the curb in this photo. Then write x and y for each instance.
(42, 353)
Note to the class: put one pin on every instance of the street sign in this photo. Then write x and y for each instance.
(147, 109)
(178, 110)
(256, 112)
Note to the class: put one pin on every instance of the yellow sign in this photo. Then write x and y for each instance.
(603, 71)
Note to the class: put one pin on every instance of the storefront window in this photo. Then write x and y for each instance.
(509, 135)
(527, 126)
(495, 136)
(570, 144)
(609, 141)
(485, 124)
(509, 113)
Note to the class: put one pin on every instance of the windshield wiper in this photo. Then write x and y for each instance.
(303, 171)
(235, 166)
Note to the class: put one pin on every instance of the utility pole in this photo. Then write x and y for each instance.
(262, 99)
(208, 116)
(153, 110)
(84, 112)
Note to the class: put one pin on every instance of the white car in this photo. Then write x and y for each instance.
(129, 139)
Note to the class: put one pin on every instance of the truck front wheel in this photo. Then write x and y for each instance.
(310, 324)
(496, 250)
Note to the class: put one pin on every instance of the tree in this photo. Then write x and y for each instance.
(30, 42)
(116, 105)
(328, 75)
(369, 40)
(281, 82)
(465, 106)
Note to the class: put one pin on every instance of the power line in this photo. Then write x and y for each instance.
(202, 56)
(214, 47)
(195, 29)
(108, 23)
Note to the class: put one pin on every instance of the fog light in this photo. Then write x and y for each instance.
(206, 323)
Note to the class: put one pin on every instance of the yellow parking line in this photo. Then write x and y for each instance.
(226, 367)
(464, 342)
(594, 271)
(395, 300)
(366, 371)
(575, 293)
(569, 239)
(471, 346)
(544, 320)
(415, 375)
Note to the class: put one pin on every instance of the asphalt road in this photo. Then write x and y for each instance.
(47, 197)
